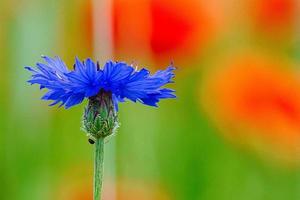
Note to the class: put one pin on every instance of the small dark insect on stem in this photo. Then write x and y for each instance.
(91, 141)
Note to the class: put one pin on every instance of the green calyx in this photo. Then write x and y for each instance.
(100, 118)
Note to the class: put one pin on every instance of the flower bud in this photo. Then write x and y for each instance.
(100, 117)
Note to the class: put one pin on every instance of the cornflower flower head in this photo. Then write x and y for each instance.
(105, 87)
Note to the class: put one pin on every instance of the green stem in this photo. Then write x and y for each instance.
(98, 168)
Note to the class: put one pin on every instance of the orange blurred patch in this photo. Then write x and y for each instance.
(131, 25)
(122, 191)
(87, 23)
(76, 184)
(274, 16)
(162, 29)
(130, 190)
(256, 101)
(74, 29)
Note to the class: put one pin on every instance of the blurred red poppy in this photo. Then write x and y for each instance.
(161, 29)
(256, 102)
(274, 16)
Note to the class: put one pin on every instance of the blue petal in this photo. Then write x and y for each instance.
(69, 88)
(74, 100)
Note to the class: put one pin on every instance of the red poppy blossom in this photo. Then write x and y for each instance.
(274, 16)
(162, 29)
(256, 101)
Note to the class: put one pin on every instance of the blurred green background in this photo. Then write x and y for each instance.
(233, 133)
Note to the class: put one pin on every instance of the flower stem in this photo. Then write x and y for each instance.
(98, 168)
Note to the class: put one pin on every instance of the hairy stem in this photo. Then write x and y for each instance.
(98, 168)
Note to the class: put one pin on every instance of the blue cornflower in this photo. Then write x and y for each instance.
(87, 80)
(104, 88)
